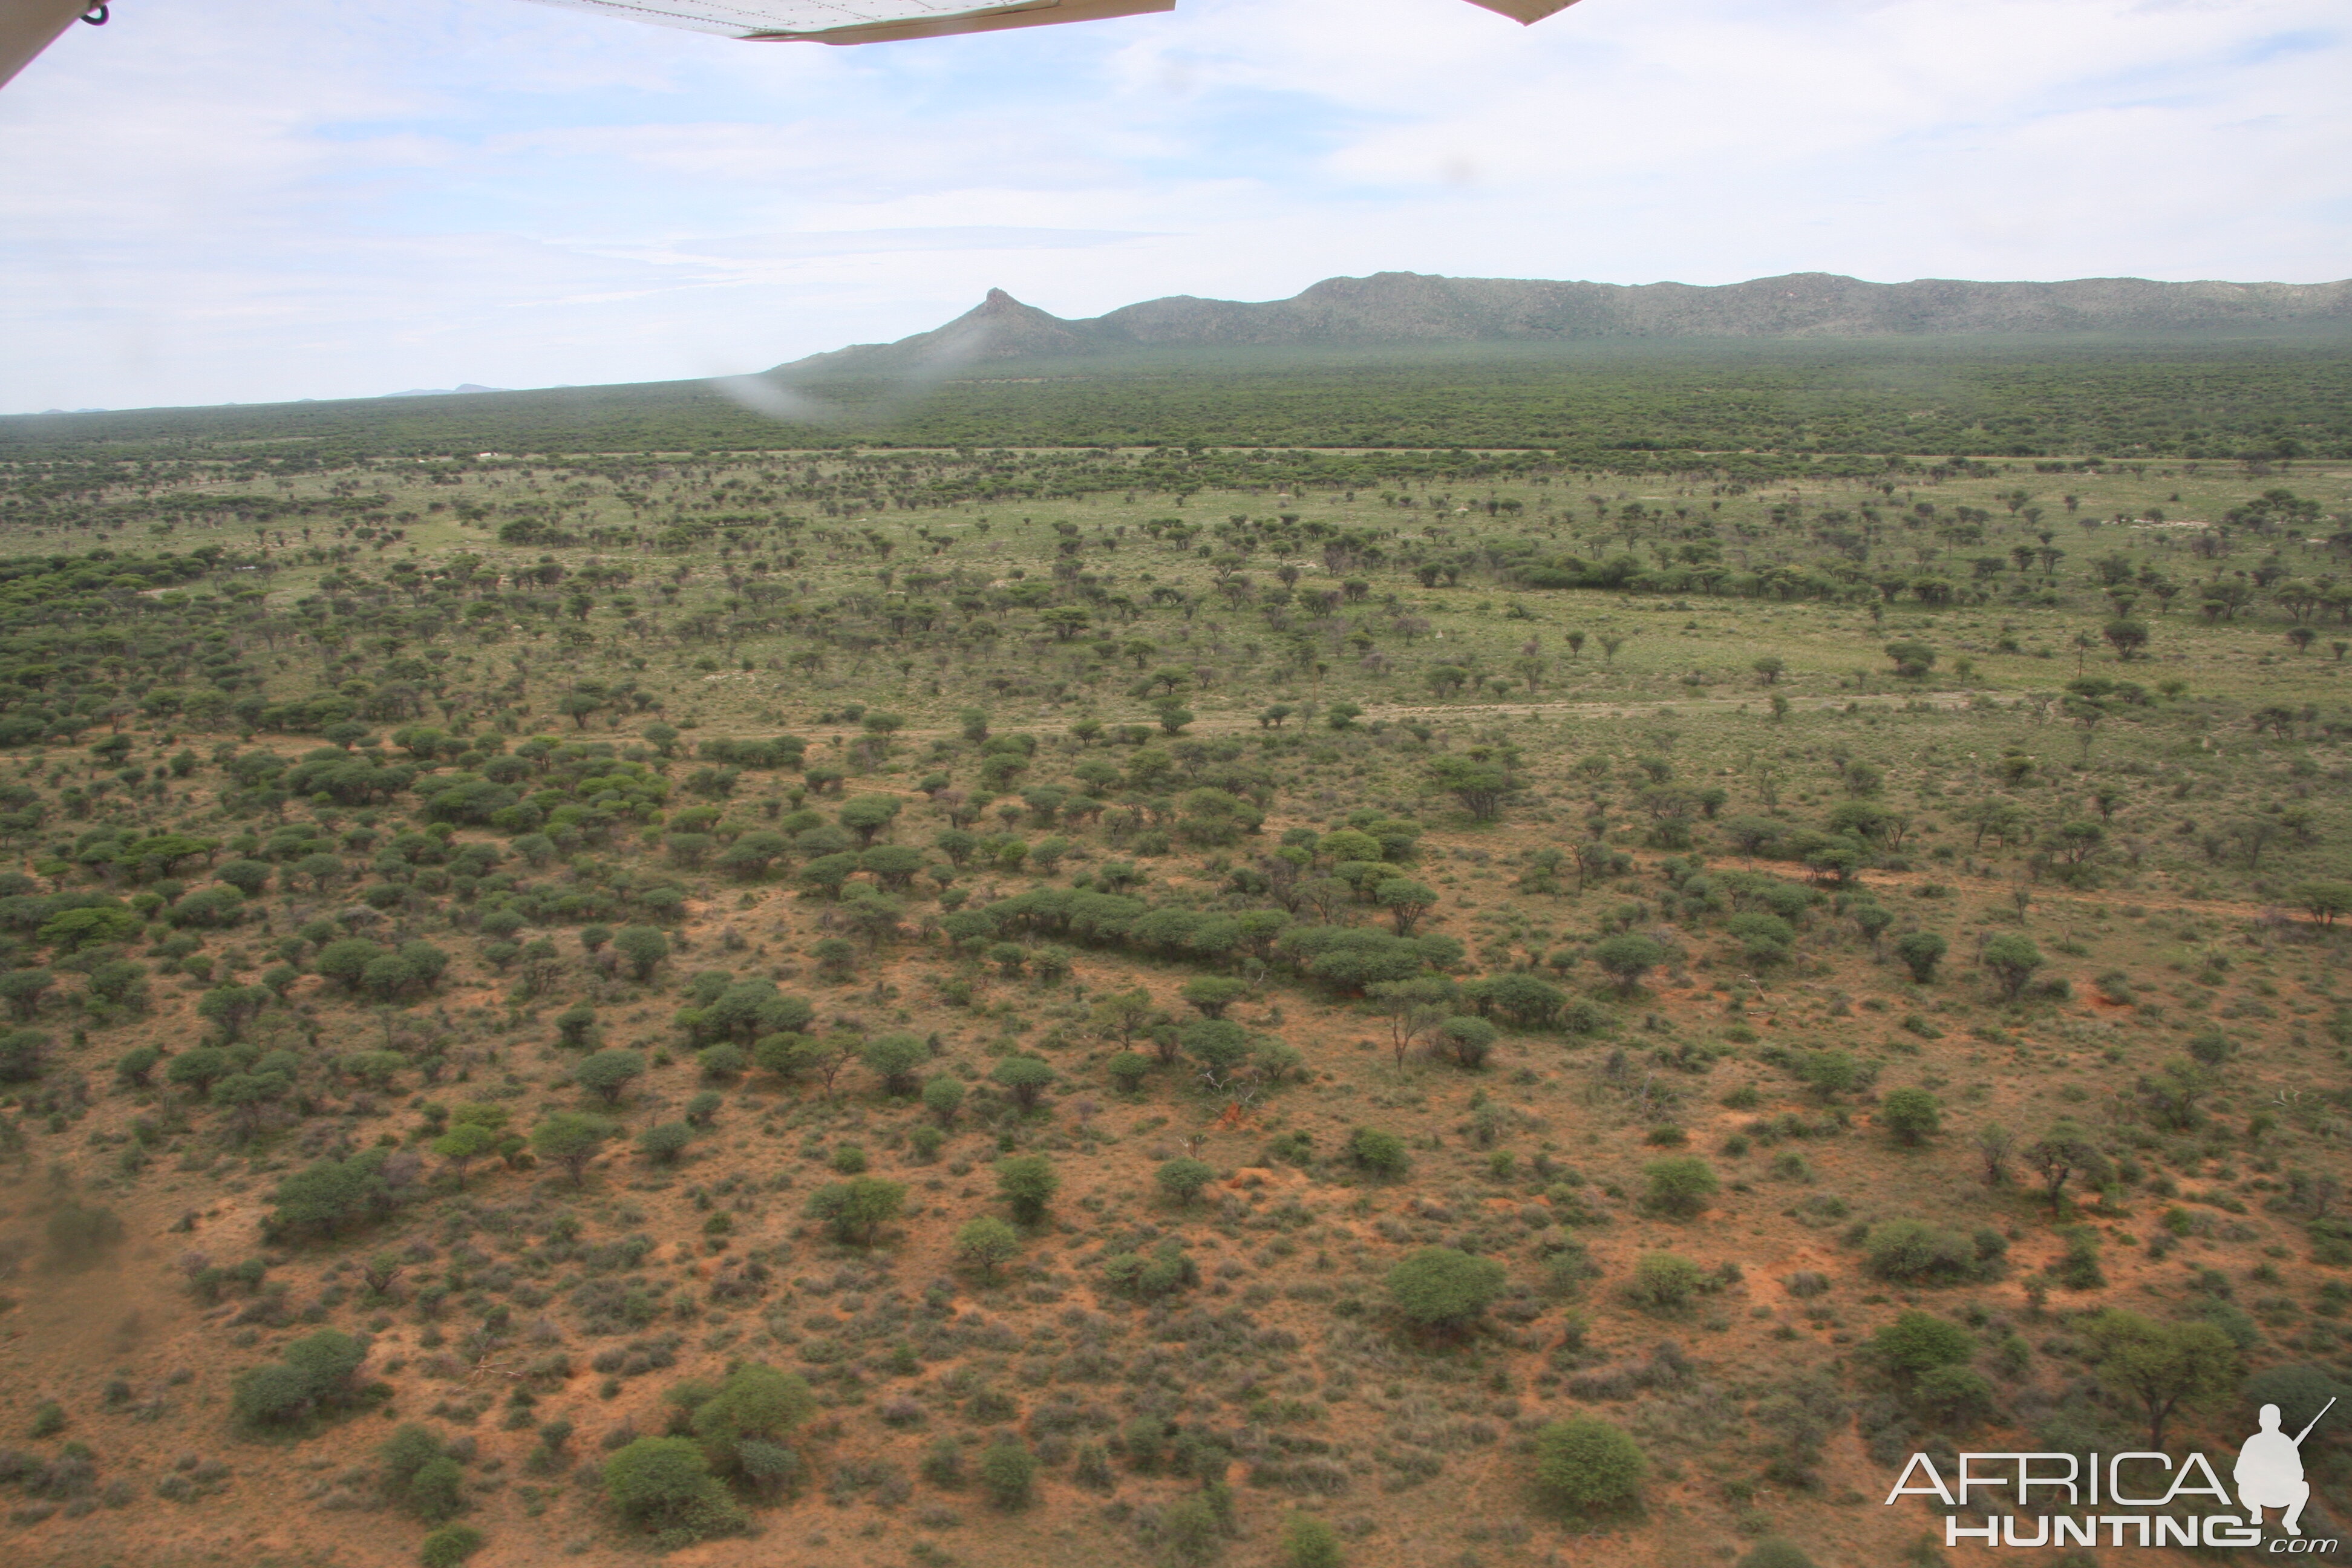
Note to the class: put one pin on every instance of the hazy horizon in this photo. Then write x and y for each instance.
(518, 195)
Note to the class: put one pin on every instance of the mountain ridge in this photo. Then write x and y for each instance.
(1410, 308)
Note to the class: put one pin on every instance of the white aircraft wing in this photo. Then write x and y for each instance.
(882, 21)
(29, 27)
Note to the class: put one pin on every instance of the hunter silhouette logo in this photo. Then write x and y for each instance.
(2270, 1471)
(2155, 1491)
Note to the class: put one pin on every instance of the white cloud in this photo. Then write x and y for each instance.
(225, 200)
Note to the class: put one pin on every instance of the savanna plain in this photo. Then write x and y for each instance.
(896, 1001)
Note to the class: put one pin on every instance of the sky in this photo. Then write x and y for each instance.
(218, 201)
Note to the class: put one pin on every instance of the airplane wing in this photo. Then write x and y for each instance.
(29, 27)
(883, 21)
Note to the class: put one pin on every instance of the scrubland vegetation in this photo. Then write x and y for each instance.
(1158, 1006)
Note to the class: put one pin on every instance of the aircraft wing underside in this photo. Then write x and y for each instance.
(881, 21)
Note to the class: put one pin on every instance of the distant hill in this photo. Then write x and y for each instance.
(464, 388)
(1409, 308)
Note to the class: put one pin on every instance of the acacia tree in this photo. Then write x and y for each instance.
(1626, 958)
(1478, 783)
(2064, 1153)
(571, 1138)
(1413, 1008)
(2162, 1364)
(2012, 958)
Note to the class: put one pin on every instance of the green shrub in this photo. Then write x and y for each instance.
(1955, 1398)
(1027, 1184)
(1918, 1343)
(409, 1449)
(315, 1374)
(449, 1545)
(987, 1244)
(1182, 1179)
(1626, 958)
(1443, 1289)
(2077, 1268)
(1914, 1252)
(1468, 1039)
(1679, 1186)
(663, 1484)
(1025, 1079)
(1920, 951)
(1772, 1552)
(1588, 1465)
(437, 1490)
(1190, 1531)
(1308, 1542)
(607, 1074)
(894, 1058)
(1008, 1470)
(665, 1140)
(1666, 1282)
(757, 1404)
(854, 1211)
(1912, 1115)
(1381, 1153)
(1169, 1269)
(943, 1097)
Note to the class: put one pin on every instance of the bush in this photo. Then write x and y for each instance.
(449, 1545)
(437, 1490)
(1190, 1530)
(1308, 1542)
(857, 1209)
(1831, 1073)
(1441, 1289)
(1588, 1465)
(1169, 1269)
(1213, 993)
(316, 1374)
(570, 1139)
(1915, 1252)
(1128, 1070)
(1469, 1039)
(1184, 1179)
(409, 1449)
(894, 1059)
(1920, 951)
(1679, 1186)
(943, 1097)
(756, 1405)
(987, 1244)
(2013, 959)
(1008, 1470)
(1382, 1154)
(1027, 1183)
(1666, 1282)
(1025, 1079)
(1626, 958)
(663, 1142)
(1772, 1552)
(665, 1486)
(1918, 1343)
(606, 1074)
(1911, 1115)
(1955, 1398)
